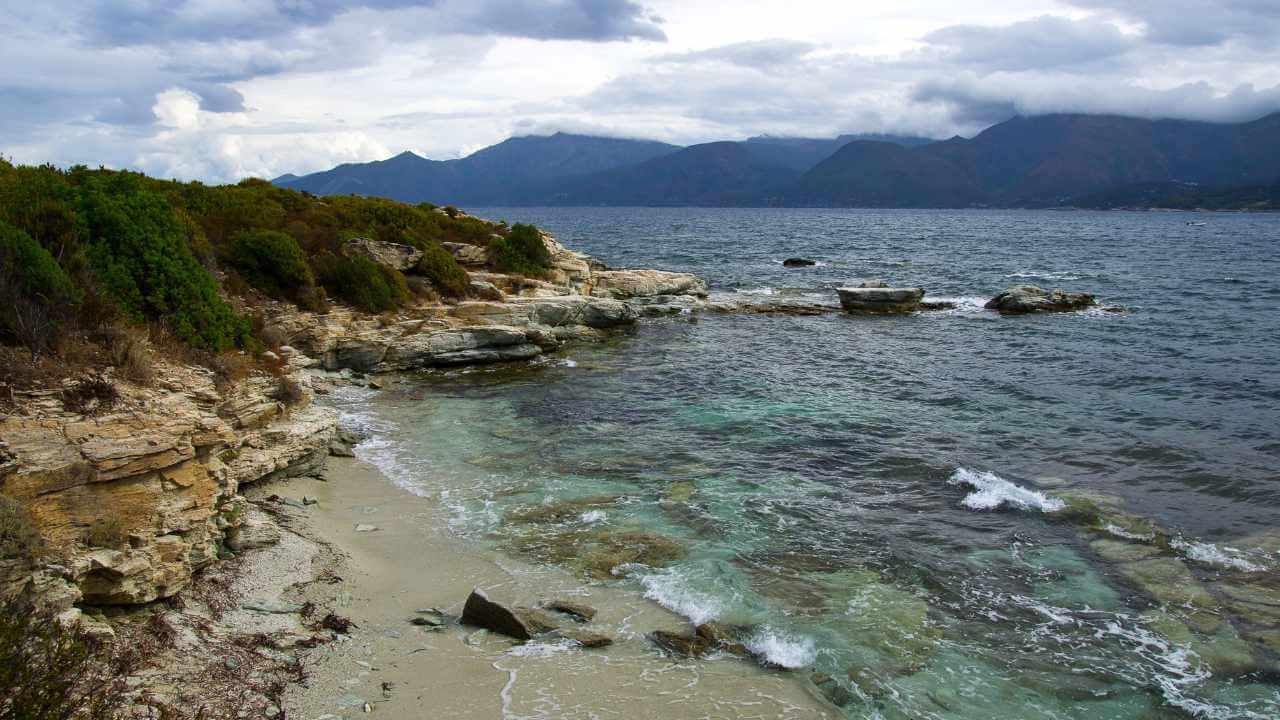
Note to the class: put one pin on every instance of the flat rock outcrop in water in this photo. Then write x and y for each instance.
(880, 300)
(1026, 299)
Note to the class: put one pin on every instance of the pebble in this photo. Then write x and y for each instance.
(364, 528)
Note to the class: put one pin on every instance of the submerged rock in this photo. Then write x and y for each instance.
(690, 646)
(598, 553)
(1024, 299)
(560, 511)
(585, 638)
(1168, 581)
(878, 300)
(578, 611)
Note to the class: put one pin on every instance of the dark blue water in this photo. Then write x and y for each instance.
(881, 497)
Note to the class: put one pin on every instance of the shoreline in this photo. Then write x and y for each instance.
(401, 670)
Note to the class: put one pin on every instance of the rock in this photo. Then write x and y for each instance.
(680, 491)
(393, 255)
(1023, 299)
(875, 300)
(430, 617)
(936, 305)
(692, 646)
(254, 533)
(1168, 581)
(365, 528)
(796, 262)
(1119, 552)
(486, 291)
(832, 690)
(725, 637)
(578, 611)
(465, 254)
(585, 638)
(624, 284)
(375, 384)
(518, 622)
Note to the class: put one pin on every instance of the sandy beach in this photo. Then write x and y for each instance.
(395, 669)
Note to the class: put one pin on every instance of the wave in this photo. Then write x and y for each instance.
(782, 650)
(1210, 554)
(671, 590)
(593, 516)
(992, 492)
(1067, 275)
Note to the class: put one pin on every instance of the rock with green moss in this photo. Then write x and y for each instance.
(1169, 582)
(1225, 652)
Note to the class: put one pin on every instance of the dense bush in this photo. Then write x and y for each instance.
(139, 255)
(520, 251)
(362, 282)
(52, 671)
(439, 266)
(272, 262)
(36, 295)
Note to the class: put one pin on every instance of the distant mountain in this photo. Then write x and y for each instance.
(712, 174)
(1045, 161)
(801, 154)
(1042, 161)
(486, 177)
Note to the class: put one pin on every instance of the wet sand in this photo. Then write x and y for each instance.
(411, 562)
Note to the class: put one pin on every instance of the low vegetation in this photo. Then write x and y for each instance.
(520, 251)
(107, 266)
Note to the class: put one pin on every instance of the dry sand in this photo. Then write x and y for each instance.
(394, 669)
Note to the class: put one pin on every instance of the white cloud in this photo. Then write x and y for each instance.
(219, 90)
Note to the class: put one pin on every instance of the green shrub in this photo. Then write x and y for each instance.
(439, 266)
(19, 539)
(139, 254)
(53, 671)
(363, 283)
(520, 251)
(272, 262)
(36, 295)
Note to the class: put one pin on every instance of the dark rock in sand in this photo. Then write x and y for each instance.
(680, 645)
(1025, 299)
(577, 611)
(520, 623)
(798, 262)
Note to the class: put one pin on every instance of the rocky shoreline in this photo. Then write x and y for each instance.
(160, 504)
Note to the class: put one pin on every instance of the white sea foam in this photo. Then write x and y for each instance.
(990, 491)
(1122, 533)
(671, 590)
(1210, 554)
(594, 516)
(783, 650)
(568, 362)
(1067, 275)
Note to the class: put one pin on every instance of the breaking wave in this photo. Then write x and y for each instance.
(991, 492)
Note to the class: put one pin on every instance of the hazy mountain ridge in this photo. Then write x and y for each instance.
(1043, 161)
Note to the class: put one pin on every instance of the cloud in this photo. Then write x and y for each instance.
(1040, 43)
(987, 100)
(1197, 22)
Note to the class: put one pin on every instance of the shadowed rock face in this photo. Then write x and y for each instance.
(395, 255)
(1025, 299)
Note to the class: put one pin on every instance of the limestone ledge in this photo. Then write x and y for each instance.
(133, 503)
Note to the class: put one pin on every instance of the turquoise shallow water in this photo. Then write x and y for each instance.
(881, 500)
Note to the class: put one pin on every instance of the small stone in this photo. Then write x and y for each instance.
(375, 384)
(309, 500)
(364, 528)
(585, 638)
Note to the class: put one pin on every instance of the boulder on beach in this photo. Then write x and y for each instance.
(516, 622)
(796, 262)
(880, 300)
(680, 645)
(1024, 299)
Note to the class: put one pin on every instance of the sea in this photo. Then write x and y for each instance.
(884, 506)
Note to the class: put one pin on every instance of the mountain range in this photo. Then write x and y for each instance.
(1043, 161)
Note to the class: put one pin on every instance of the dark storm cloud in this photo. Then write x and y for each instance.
(1044, 42)
(1198, 22)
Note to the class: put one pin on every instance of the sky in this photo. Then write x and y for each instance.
(220, 90)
